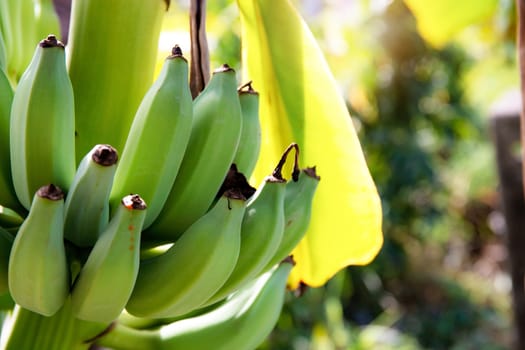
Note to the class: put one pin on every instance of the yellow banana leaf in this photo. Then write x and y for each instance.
(439, 21)
(300, 102)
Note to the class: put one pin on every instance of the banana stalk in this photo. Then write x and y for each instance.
(24, 329)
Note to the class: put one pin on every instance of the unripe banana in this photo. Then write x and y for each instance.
(19, 30)
(107, 278)
(10, 23)
(241, 323)
(195, 267)
(213, 142)
(6, 242)
(297, 212)
(42, 131)
(26, 33)
(7, 192)
(3, 54)
(6, 29)
(87, 207)
(157, 139)
(250, 140)
(261, 233)
(10, 220)
(111, 61)
(46, 18)
(38, 269)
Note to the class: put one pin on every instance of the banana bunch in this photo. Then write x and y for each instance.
(166, 233)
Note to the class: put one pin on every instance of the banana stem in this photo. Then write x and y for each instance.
(126, 338)
(30, 330)
(521, 60)
(200, 57)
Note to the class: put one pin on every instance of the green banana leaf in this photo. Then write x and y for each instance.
(439, 21)
(300, 102)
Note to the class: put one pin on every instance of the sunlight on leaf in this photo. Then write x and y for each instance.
(300, 102)
(439, 21)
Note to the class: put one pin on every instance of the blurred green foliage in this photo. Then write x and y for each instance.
(421, 114)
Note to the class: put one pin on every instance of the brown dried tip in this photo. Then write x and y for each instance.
(310, 171)
(176, 51)
(235, 181)
(223, 68)
(288, 260)
(51, 41)
(105, 155)
(133, 201)
(273, 179)
(50, 192)
(301, 289)
(234, 193)
(247, 89)
(167, 2)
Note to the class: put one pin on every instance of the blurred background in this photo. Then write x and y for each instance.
(422, 108)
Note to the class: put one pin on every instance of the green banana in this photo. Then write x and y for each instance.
(22, 23)
(7, 28)
(5, 33)
(27, 34)
(297, 212)
(157, 139)
(21, 35)
(196, 265)
(6, 242)
(7, 192)
(3, 54)
(42, 130)
(46, 18)
(87, 208)
(261, 232)
(9, 219)
(10, 23)
(38, 269)
(250, 141)
(106, 280)
(111, 71)
(213, 142)
(242, 323)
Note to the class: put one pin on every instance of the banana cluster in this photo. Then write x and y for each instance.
(166, 230)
